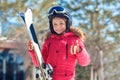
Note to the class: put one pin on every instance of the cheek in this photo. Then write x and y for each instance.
(54, 27)
(64, 27)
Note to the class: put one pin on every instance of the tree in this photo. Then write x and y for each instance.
(13, 26)
(101, 23)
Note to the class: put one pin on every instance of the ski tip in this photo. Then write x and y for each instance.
(21, 13)
(26, 16)
(28, 9)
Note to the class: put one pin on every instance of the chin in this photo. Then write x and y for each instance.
(59, 32)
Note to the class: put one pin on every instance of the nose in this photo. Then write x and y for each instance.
(57, 26)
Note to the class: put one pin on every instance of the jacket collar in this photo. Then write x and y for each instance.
(62, 35)
(73, 31)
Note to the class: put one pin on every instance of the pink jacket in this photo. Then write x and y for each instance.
(56, 51)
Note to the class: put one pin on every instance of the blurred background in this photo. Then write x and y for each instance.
(99, 19)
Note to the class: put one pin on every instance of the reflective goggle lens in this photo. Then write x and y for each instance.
(57, 9)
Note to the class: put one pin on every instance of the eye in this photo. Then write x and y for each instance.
(54, 24)
(62, 23)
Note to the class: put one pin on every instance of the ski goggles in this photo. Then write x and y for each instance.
(57, 9)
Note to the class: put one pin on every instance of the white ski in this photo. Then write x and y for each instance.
(45, 69)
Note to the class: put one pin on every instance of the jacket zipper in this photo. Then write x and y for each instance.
(66, 50)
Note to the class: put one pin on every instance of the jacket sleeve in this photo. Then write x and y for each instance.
(44, 51)
(33, 57)
(83, 56)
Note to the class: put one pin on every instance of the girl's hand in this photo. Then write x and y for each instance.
(30, 45)
(75, 48)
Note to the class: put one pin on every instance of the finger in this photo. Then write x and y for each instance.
(78, 47)
(30, 45)
(30, 48)
(71, 49)
(29, 42)
(75, 49)
(77, 43)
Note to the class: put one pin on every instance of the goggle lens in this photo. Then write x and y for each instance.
(57, 9)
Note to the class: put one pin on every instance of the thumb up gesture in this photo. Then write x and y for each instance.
(75, 48)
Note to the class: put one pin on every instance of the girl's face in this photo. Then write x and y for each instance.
(59, 25)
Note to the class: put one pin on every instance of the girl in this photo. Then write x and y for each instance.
(63, 45)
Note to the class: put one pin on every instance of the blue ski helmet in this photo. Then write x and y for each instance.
(58, 11)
